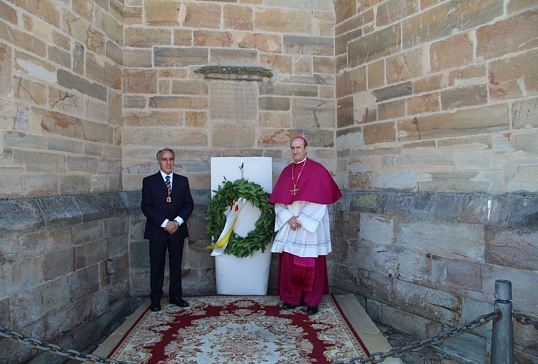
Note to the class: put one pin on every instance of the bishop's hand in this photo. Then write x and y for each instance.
(294, 223)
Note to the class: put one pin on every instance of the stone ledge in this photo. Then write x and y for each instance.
(507, 211)
(241, 73)
(20, 214)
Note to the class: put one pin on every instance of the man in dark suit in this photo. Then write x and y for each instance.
(167, 204)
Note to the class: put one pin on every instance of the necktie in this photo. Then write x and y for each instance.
(167, 178)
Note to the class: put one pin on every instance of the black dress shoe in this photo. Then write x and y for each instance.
(312, 310)
(155, 306)
(178, 301)
(288, 306)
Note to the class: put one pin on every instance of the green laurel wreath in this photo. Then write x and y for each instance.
(227, 194)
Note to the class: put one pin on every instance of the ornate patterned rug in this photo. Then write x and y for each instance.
(240, 329)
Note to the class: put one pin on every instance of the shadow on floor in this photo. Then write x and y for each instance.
(428, 355)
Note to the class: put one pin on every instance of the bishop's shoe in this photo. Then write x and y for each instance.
(311, 310)
(288, 306)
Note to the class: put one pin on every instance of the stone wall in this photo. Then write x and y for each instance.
(424, 110)
(425, 262)
(90, 90)
(64, 226)
(437, 95)
(60, 97)
(166, 102)
(64, 269)
(437, 145)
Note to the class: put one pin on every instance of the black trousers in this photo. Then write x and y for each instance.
(157, 260)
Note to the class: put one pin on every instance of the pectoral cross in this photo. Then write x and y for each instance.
(294, 182)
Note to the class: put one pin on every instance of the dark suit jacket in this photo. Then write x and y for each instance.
(156, 209)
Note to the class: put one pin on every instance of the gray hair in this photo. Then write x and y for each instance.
(166, 150)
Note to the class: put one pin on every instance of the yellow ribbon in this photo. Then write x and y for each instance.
(226, 233)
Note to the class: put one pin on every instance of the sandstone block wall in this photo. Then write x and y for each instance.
(424, 110)
(437, 103)
(437, 95)
(64, 275)
(64, 228)
(90, 90)
(60, 97)
(426, 262)
(167, 103)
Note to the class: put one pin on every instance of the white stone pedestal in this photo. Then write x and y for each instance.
(249, 275)
(243, 276)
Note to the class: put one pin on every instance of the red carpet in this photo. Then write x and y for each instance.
(239, 329)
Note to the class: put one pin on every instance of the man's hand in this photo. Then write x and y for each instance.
(294, 223)
(171, 227)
